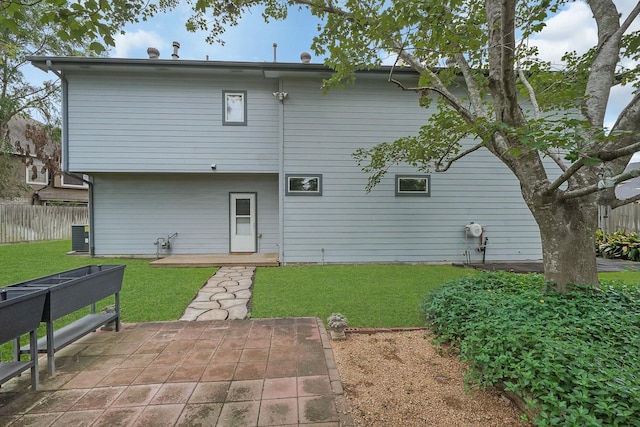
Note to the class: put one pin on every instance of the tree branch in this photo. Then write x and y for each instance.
(458, 157)
(618, 203)
(567, 195)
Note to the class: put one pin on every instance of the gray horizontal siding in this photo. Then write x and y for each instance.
(168, 123)
(346, 224)
(133, 210)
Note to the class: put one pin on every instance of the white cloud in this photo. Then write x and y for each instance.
(134, 44)
(572, 29)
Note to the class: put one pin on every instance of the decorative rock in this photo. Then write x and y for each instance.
(246, 281)
(222, 296)
(245, 293)
(214, 315)
(206, 305)
(213, 290)
(238, 312)
(226, 304)
(191, 313)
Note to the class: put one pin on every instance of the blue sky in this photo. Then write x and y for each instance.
(252, 40)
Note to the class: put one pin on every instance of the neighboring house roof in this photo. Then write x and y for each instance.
(20, 144)
(631, 187)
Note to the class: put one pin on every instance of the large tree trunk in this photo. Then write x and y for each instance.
(567, 231)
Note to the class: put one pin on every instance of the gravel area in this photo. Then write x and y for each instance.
(401, 379)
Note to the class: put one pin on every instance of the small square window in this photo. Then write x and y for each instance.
(234, 106)
(413, 185)
(34, 173)
(74, 181)
(303, 185)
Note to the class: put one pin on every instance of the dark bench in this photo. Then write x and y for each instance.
(20, 313)
(71, 291)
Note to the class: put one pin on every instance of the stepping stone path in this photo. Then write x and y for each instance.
(225, 296)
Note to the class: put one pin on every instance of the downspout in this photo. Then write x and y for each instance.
(281, 179)
(65, 148)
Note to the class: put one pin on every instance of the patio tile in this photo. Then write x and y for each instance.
(262, 342)
(254, 355)
(283, 341)
(278, 412)
(77, 418)
(179, 346)
(199, 414)
(219, 372)
(280, 353)
(173, 393)
(314, 385)
(239, 414)
(282, 368)
(279, 388)
(98, 398)
(59, 401)
(119, 377)
(186, 373)
(232, 343)
(154, 375)
(153, 347)
(213, 391)
(198, 357)
(138, 360)
(136, 395)
(317, 409)
(207, 343)
(164, 359)
(87, 379)
(38, 420)
(118, 417)
(250, 371)
(244, 390)
(226, 356)
(159, 416)
(311, 366)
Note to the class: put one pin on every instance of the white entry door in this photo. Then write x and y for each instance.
(243, 222)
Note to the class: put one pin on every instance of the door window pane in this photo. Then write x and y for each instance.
(243, 226)
(243, 207)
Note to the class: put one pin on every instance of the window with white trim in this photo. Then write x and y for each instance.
(68, 181)
(36, 174)
(413, 185)
(234, 107)
(303, 185)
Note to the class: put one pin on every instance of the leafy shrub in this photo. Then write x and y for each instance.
(574, 358)
(618, 245)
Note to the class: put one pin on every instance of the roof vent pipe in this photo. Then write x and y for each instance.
(305, 57)
(176, 46)
(153, 53)
(275, 48)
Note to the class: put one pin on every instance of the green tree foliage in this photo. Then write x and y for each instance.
(507, 99)
(29, 34)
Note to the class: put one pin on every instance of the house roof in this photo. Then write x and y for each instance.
(266, 69)
(631, 187)
(20, 144)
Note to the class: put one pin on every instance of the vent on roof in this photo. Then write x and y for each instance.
(153, 53)
(176, 46)
(305, 57)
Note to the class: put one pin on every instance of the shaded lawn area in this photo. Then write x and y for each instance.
(370, 295)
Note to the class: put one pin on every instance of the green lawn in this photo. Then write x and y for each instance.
(148, 294)
(370, 295)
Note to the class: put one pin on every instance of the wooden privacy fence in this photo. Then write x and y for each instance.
(625, 218)
(24, 223)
